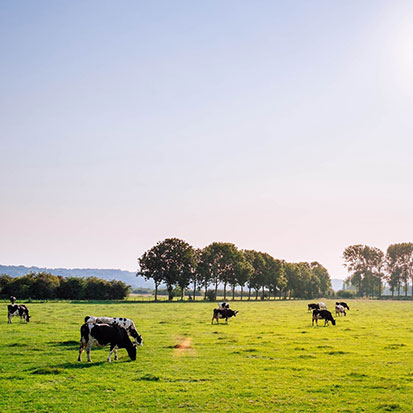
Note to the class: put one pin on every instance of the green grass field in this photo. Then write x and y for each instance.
(268, 358)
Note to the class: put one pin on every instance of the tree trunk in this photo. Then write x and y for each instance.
(392, 292)
(263, 294)
(243, 290)
(182, 293)
(225, 291)
(216, 287)
(156, 291)
(256, 294)
(170, 293)
(194, 289)
(206, 290)
(233, 292)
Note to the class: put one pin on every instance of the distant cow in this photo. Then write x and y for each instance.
(18, 309)
(321, 306)
(223, 313)
(323, 315)
(103, 334)
(126, 323)
(312, 306)
(223, 305)
(343, 304)
(340, 310)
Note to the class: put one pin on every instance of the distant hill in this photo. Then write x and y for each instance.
(127, 277)
(337, 284)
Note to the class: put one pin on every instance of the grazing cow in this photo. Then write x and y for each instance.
(321, 306)
(18, 309)
(223, 305)
(223, 313)
(103, 334)
(340, 310)
(126, 323)
(323, 315)
(312, 306)
(343, 304)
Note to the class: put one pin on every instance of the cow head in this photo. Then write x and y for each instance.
(132, 351)
(333, 321)
(235, 313)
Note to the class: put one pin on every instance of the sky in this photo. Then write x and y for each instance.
(284, 127)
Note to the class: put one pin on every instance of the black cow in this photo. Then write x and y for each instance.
(18, 309)
(323, 315)
(343, 304)
(313, 306)
(223, 313)
(103, 334)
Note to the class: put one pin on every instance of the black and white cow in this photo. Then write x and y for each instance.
(103, 334)
(340, 310)
(126, 323)
(18, 309)
(343, 304)
(322, 306)
(312, 306)
(323, 315)
(13, 300)
(223, 313)
(223, 305)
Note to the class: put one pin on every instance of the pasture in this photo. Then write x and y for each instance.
(268, 358)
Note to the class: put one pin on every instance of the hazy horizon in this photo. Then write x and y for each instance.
(283, 127)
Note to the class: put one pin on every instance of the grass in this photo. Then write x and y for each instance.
(268, 358)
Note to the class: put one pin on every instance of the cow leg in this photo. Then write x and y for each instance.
(80, 352)
(226, 320)
(88, 348)
(9, 322)
(112, 348)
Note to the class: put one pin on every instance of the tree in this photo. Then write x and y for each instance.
(171, 261)
(257, 261)
(324, 278)
(399, 260)
(365, 265)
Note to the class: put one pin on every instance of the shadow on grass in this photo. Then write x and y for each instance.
(80, 365)
(69, 343)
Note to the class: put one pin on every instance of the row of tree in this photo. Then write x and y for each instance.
(175, 263)
(48, 286)
(369, 268)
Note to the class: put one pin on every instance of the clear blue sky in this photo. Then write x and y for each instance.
(280, 126)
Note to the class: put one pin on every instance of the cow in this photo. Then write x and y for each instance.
(323, 315)
(103, 334)
(18, 309)
(321, 306)
(340, 310)
(343, 304)
(223, 305)
(126, 323)
(223, 313)
(13, 300)
(312, 306)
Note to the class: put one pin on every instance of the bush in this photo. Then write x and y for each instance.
(211, 295)
(344, 294)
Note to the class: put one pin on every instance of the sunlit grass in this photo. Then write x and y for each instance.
(268, 358)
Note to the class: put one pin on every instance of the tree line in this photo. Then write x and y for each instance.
(175, 263)
(44, 285)
(370, 268)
